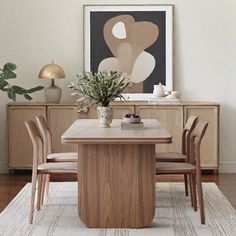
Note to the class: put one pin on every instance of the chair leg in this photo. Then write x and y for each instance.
(194, 192)
(39, 192)
(200, 197)
(34, 180)
(186, 184)
(47, 184)
(43, 189)
(191, 189)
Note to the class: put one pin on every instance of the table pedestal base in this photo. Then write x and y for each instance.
(116, 185)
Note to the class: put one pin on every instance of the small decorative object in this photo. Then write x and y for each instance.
(131, 122)
(131, 118)
(99, 88)
(176, 94)
(52, 71)
(170, 96)
(6, 73)
(159, 90)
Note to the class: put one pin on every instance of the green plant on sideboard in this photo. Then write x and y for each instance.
(6, 73)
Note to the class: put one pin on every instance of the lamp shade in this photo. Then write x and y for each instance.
(51, 71)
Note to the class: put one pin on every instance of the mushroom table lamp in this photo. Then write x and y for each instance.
(51, 71)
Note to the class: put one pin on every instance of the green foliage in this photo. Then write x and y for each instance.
(8, 73)
(99, 88)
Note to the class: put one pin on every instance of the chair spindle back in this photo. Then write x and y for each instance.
(37, 142)
(46, 134)
(195, 142)
(189, 126)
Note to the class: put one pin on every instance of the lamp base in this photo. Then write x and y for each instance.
(53, 93)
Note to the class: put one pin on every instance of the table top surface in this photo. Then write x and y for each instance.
(88, 131)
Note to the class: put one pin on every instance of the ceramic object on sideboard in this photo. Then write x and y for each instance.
(158, 90)
(176, 94)
(170, 96)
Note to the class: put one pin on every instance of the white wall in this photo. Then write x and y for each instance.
(33, 32)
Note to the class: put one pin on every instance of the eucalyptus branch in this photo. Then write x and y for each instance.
(99, 88)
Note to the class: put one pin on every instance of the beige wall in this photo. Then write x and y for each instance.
(34, 32)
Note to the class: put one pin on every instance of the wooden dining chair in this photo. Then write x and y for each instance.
(182, 156)
(48, 154)
(41, 168)
(193, 168)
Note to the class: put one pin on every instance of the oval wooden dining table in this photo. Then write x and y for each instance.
(116, 172)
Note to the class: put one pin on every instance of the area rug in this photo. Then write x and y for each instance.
(174, 214)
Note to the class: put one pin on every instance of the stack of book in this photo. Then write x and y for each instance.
(132, 126)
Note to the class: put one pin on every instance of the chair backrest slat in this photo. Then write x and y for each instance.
(189, 126)
(37, 142)
(46, 134)
(195, 141)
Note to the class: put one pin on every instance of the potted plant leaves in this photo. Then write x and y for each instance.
(8, 72)
(99, 88)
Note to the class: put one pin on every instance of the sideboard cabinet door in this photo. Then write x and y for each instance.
(20, 150)
(171, 118)
(61, 117)
(209, 145)
(120, 110)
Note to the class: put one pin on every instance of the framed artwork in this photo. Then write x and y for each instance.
(136, 40)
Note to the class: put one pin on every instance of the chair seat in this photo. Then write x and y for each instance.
(57, 167)
(170, 157)
(174, 168)
(63, 157)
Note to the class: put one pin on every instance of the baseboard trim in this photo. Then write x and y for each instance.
(227, 167)
(4, 168)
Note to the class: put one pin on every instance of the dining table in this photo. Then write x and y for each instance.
(116, 172)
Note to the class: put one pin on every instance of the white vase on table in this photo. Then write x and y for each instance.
(105, 115)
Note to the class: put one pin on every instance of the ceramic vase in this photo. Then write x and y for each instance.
(105, 115)
(159, 90)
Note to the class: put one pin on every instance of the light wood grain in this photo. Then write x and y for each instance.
(193, 168)
(68, 115)
(40, 167)
(209, 147)
(19, 145)
(119, 110)
(122, 103)
(62, 117)
(171, 118)
(116, 185)
(59, 119)
(88, 131)
(116, 172)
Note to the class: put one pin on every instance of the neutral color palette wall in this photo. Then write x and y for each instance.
(33, 32)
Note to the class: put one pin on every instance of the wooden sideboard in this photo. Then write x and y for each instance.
(60, 116)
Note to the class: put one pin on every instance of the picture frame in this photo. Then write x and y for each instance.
(111, 36)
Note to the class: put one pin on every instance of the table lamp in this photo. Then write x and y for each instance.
(51, 71)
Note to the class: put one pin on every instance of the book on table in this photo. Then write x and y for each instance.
(130, 126)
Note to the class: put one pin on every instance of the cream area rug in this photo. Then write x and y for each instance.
(174, 214)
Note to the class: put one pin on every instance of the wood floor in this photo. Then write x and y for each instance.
(10, 185)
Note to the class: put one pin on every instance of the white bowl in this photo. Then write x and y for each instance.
(131, 120)
(176, 94)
